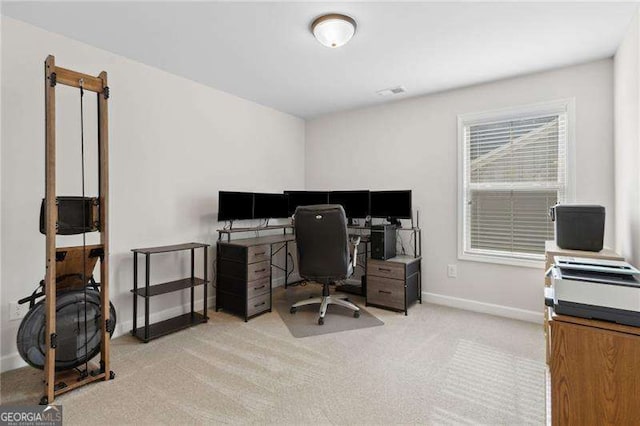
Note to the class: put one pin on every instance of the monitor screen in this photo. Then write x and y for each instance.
(269, 206)
(235, 205)
(355, 203)
(305, 198)
(395, 204)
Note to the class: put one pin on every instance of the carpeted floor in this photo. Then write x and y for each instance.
(436, 366)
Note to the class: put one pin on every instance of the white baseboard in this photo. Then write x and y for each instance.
(485, 308)
(279, 282)
(13, 360)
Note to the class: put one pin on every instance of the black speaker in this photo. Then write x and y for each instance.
(75, 215)
(383, 242)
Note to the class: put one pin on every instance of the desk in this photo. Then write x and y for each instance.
(244, 272)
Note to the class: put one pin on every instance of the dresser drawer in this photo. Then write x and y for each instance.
(385, 292)
(381, 268)
(258, 304)
(258, 270)
(258, 253)
(258, 287)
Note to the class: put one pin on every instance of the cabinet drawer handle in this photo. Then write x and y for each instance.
(383, 291)
(259, 304)
(262, 286)
(384, 269)
(259, 254)
(261, 270)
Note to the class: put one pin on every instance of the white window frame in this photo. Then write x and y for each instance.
(566, 106)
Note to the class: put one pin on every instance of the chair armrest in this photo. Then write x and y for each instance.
(355, 242)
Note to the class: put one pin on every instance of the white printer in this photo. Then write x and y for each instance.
(595, 288)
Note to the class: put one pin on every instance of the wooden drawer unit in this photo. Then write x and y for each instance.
(255, 271)
(243, 278)
(386, 269)
(395, 283)
(259, 253)
(593, 369)
(385, 292)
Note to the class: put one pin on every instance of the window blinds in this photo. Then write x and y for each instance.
(514, 171)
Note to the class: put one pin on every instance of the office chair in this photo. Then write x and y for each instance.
(325, 253)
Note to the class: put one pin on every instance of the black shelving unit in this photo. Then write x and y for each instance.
(162, 328)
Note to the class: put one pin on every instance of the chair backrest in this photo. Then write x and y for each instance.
(323, 242)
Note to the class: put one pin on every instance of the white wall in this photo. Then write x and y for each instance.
(173, 144)
(627, 143)
(413, 144)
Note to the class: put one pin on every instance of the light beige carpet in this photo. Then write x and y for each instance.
(304, 323)
(436, 366)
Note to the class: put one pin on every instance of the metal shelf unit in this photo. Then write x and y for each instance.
(162, 328)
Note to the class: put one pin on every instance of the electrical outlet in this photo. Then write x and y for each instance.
(452, 271)
(16, 311)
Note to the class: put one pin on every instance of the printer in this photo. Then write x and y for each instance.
(595, 288)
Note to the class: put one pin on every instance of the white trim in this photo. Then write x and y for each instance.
(11, 361)
(485, 308)
(565, 106)
(502, 260)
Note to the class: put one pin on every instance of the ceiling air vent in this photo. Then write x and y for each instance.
(392, 91)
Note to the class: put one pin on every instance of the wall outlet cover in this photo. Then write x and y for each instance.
(452, 271)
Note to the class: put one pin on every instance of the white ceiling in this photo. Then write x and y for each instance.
(265, 52)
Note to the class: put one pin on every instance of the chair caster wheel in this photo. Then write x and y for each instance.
(44, 401)
(293, 310)
(356, 314)
(112, 375)
(320, 321)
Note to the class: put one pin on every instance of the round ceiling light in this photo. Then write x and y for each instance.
(333, 30)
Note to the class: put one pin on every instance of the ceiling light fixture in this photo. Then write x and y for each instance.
(333, 30)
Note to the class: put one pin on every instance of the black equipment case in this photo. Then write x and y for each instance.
(579, 227)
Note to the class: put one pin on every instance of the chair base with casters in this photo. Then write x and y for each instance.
(325, 301)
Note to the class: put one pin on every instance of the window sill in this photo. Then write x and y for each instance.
(502, 260)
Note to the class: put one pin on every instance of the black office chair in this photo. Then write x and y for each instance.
(325, 253)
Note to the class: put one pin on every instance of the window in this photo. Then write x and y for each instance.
(514, 167)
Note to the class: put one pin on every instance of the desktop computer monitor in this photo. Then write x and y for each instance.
(391, 204)
(269, 206)
(355, 203)
(305, 198)
(235, 205)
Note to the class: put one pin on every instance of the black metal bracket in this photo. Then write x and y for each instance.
(53, 79)
(110, 325)
(54, 340)
(97, 252)
(60, 255)
(106, 92)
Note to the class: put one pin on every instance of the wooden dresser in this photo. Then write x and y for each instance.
(594, 366)
(552, 250)
(594, 372)
(243, 277)
(395, 283)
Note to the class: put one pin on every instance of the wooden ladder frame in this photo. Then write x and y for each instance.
(71, 380)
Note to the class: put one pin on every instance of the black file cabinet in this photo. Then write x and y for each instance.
(243, 284)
